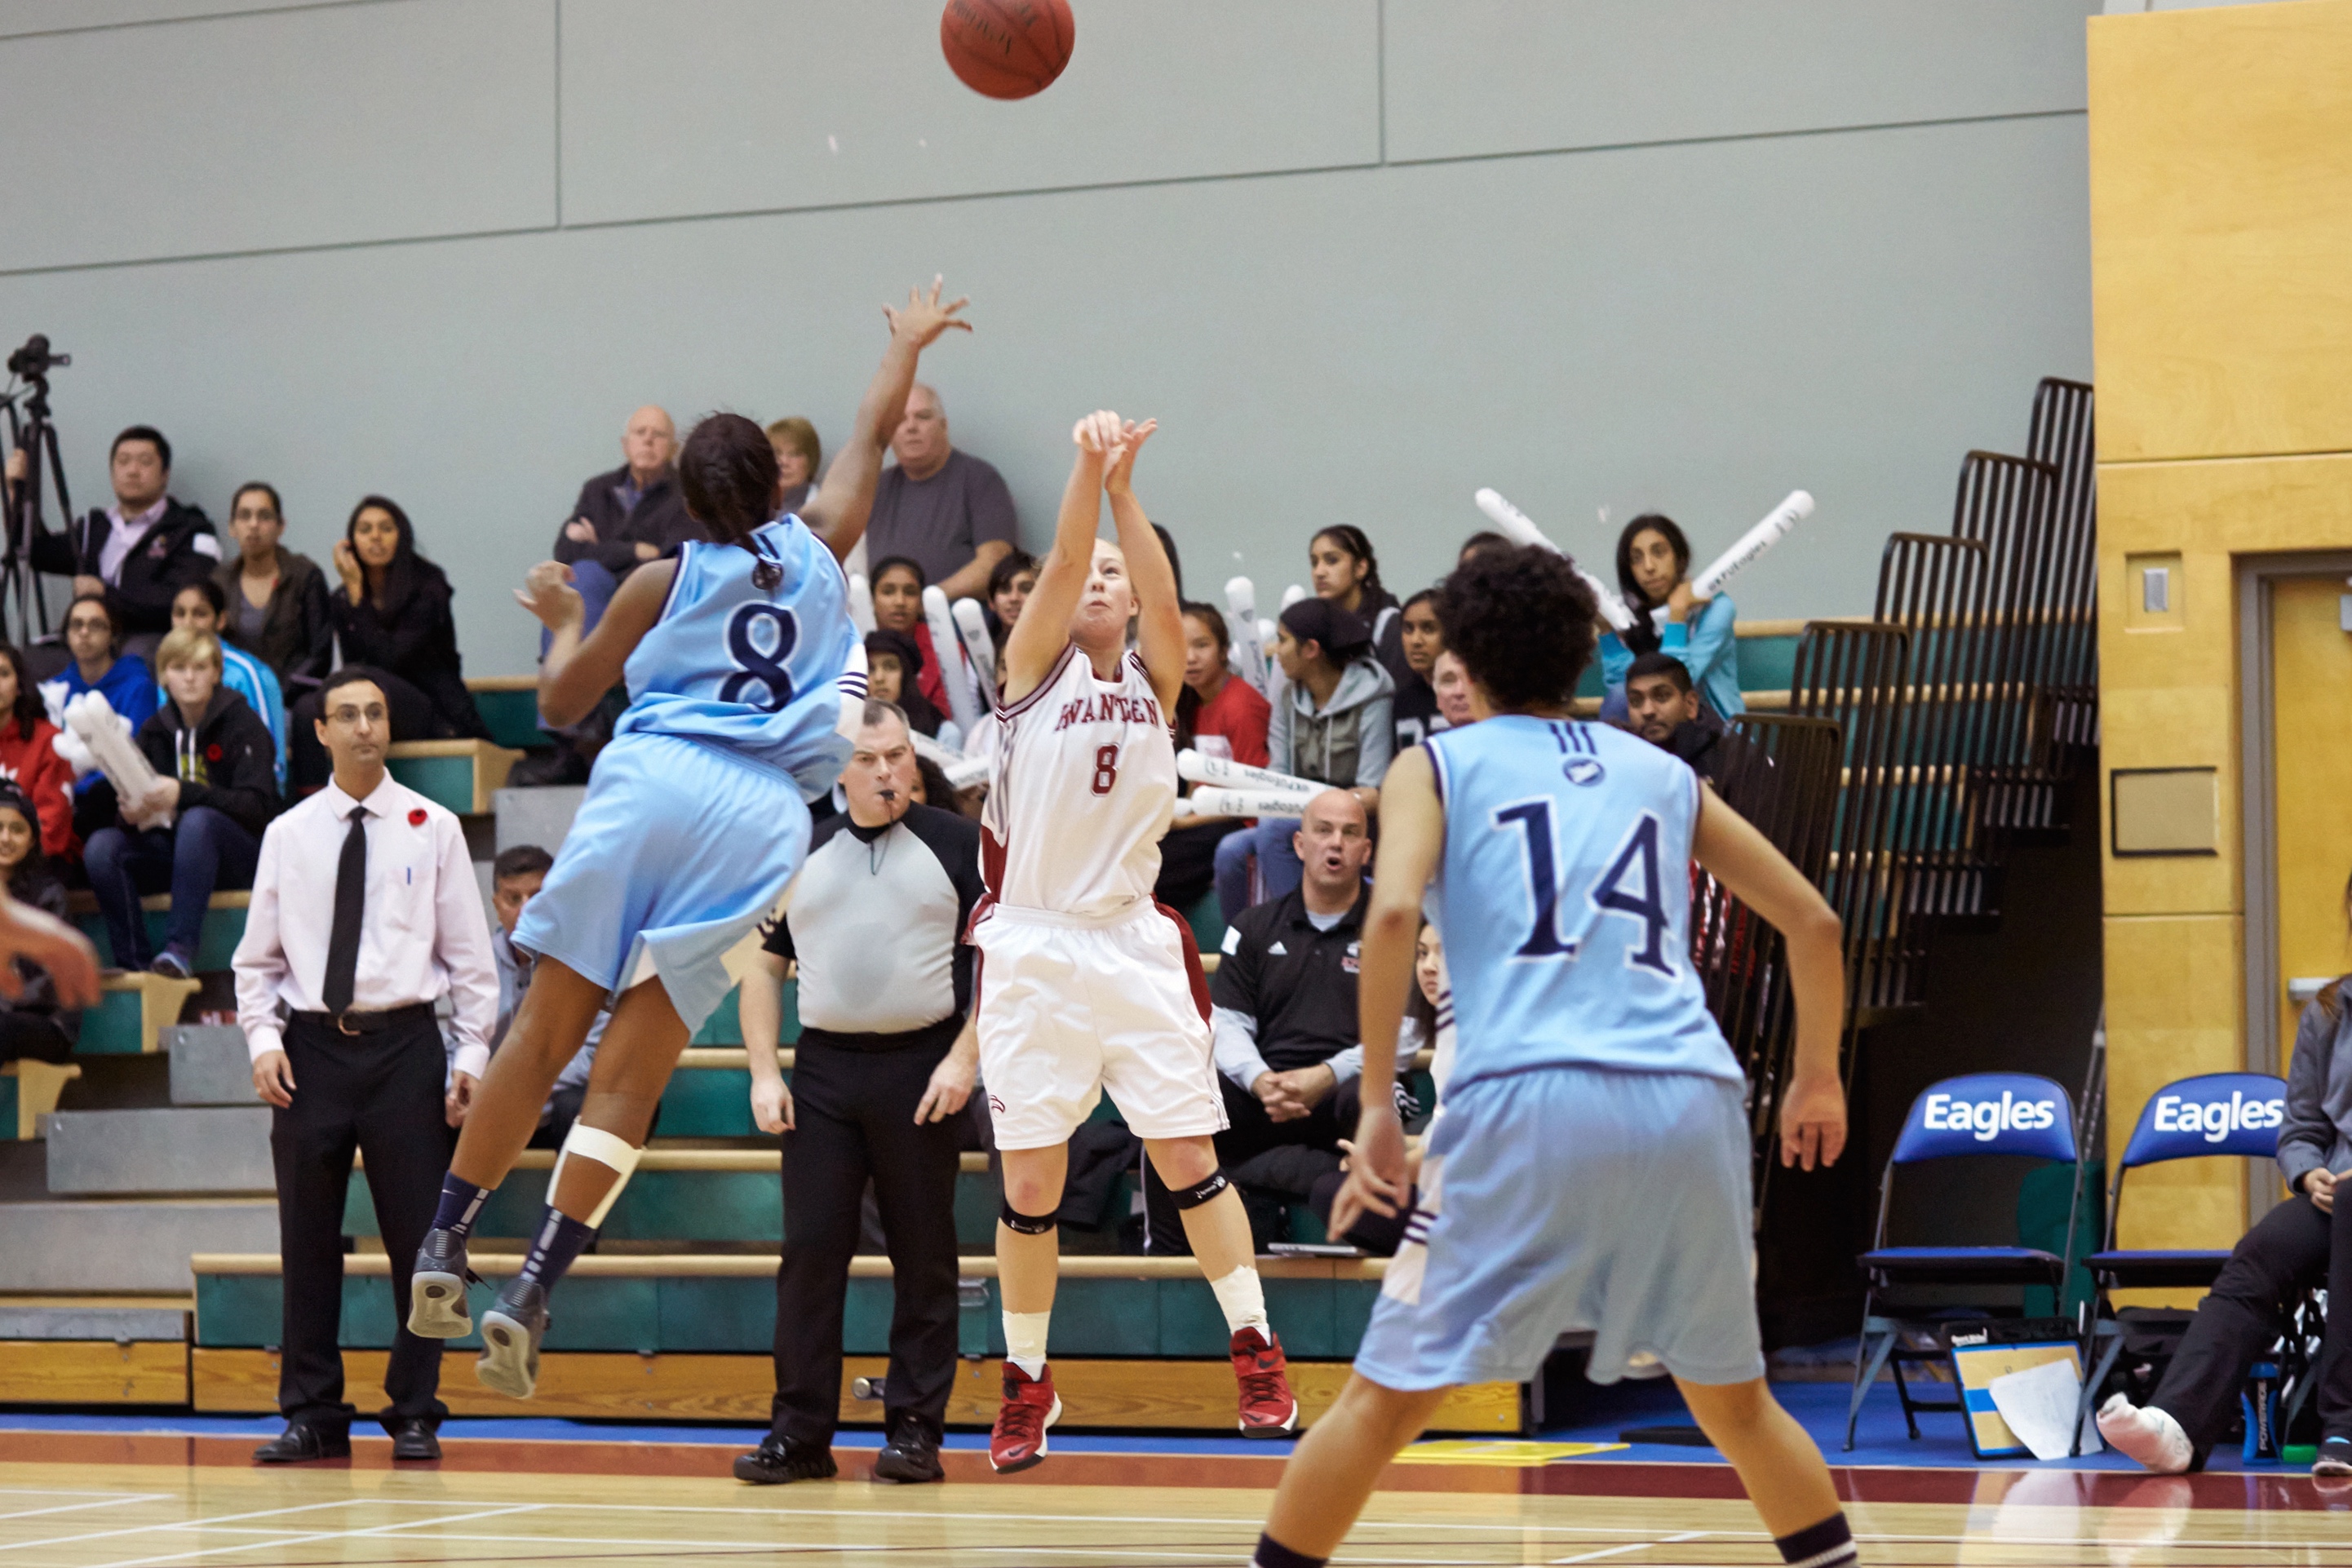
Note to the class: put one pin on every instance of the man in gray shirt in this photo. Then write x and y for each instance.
(947, 511)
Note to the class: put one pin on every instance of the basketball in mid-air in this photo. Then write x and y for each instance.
(1007, 49)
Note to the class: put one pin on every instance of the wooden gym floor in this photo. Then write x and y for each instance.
(122, 1500)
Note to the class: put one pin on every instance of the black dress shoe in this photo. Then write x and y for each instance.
(776, 1461)
(912, 1454)
(301, 1442)
(413, 1440)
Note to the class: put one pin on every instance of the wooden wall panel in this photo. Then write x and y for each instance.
(2222, 230)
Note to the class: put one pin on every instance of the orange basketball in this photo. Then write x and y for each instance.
(1007, 49)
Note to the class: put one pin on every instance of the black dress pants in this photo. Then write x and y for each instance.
(2289, 1250)
(855, 1119)
(381, 1094)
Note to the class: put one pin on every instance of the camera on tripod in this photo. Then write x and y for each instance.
(35, 361)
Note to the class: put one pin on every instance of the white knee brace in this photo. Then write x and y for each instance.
(594, 1143)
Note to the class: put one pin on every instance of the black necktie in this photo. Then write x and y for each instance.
(350, 899)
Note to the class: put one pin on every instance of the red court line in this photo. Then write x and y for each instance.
(2248, 1492)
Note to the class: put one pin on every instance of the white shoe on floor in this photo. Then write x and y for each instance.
(2150, 1436)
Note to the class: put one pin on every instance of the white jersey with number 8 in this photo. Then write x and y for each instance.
(1083, 789)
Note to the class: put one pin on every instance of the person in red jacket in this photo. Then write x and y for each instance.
(28, 757)
(1230, 707)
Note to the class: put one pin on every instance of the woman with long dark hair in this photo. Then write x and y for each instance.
(746, 678)
(276, 598)
(1654, 561)
(1345, 571)
(32, 1024)
(29, 754)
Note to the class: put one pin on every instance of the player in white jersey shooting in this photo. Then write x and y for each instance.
(1086, 984)
(1591, 1169)
(742, 665)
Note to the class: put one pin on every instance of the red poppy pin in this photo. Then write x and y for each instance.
(212, 753)
(417, 817)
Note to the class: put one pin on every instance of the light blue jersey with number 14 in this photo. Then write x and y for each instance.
(1563, 898)
(758, 669)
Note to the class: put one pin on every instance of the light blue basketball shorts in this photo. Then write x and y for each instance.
(1571, 1198)
(679, 849)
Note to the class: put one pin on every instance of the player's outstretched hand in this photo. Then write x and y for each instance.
(1812, 1122)
(1119, 476)
(547, 593)
(1097, 433)
(1376, 1174)
(41, 938)
(924, 319)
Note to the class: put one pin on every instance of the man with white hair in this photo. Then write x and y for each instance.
(947, 511)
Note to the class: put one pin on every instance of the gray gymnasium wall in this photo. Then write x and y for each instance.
(1359, 256)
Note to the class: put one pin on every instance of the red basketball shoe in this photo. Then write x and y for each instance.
(1269, 1407)
(1017, 1441)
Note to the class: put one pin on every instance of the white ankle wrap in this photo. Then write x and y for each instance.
(594, 1143)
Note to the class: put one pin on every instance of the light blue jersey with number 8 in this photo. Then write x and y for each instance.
(758, 669)
(1563, 898)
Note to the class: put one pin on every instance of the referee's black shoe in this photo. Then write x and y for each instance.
(302, 1442)
(912, 1454)
(779, 1460)
(436, 1288)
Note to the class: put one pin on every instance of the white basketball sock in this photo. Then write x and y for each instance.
(1244, 1300)
(1024, 1341)
(2150, 1436)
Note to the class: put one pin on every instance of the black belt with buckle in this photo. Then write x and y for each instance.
(352, 1021)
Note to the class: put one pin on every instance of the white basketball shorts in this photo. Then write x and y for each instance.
(1069, 1008)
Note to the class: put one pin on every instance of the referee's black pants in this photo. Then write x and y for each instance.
(380, 1093)
(855, 1119)
(2289, 1250)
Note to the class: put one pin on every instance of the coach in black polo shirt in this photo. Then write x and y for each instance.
(1290, 1055)
(887, 1058)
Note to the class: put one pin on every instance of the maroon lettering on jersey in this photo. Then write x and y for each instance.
(1109, 708)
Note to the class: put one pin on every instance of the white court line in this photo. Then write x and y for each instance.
(362, 1532)
(106, 1501)
(181, 1524)
(1636, 1546)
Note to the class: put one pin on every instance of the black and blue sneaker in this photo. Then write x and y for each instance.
(436, 1288)
(2334, 1459)
(511, 1331)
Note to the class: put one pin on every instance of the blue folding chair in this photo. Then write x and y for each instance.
(2215, 1113)
(2013, 1113)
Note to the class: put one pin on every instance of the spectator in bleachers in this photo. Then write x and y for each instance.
(276, 598)
(200, 827)
(799, 455)
(197, 608)
(947, 511)
(1332, 726)
(392, 615)
(887, 1058)
(2301, 1244)
(1413, 709)
(1009, 582)
(1665, 710)
(365, 914)
(1231, 708)
(1450, 681)
(30, 759)
(626, 518)
(1427, 1025)
(1287, 1051)
(137, 553)
(516, 877)
(1484, 539)
(32, 1023)
(100, 666)
(1344, 570)
(1653, 574)
(894, 670)
(898, 587)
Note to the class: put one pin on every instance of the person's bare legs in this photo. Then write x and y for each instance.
(1333, 1471)
(1219, 1229)
(1028, 1266)
(634, 1062)
(1776, 1460)
(549, 1029)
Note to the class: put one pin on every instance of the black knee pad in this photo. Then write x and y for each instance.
(1024, 1223)
(1195, 1196)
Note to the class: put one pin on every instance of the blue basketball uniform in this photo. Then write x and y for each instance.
(696, 815)
(1591, 1170)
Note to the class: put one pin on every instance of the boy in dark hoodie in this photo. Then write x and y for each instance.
(200, 827)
